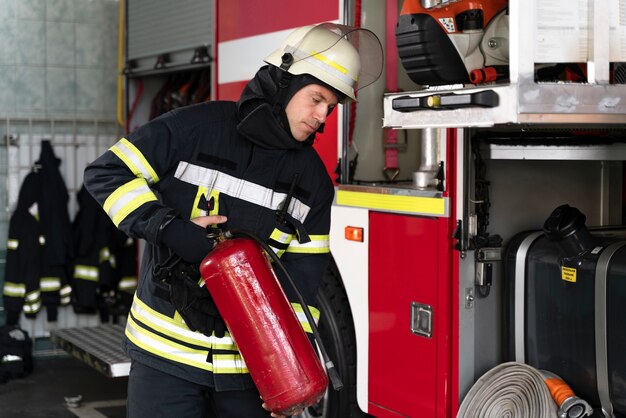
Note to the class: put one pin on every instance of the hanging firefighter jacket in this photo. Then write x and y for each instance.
(39, 246)
(207, 159)
(105, 266)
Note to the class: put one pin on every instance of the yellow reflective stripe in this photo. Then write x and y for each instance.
(319, 244)
(134, 160)
(325, 63)
(113, 261)
(127, 283)
(176, 329)
(32, 307)
(12, 244)
(32, 302)
(105, 254)
(50, 284)
(127, 198)
(302, 317)
(392, 202)
(229, 364)
(239, 188)
(330, 62)
(14, 290)
(168, 349)
(65, 290)
(195, 210)
(86, 272)
(32, 297)
(65, 293)
(280, 236)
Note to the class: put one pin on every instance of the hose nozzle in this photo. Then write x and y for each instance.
(570, 405)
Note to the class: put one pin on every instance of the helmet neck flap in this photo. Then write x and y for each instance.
(261, 108)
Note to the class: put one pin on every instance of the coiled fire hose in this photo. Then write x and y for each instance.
(516, 390)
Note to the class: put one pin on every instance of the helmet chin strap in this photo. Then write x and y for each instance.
(283, 84)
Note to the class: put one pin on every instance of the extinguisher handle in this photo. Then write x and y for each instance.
(333, 375)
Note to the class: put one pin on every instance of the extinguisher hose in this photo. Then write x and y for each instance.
(333, 375)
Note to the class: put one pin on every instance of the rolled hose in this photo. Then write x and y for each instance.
(509, 390)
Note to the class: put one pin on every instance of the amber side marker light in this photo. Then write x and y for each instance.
(354, 233)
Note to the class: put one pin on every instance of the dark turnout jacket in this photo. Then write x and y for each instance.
(39, 248)
(213, 158)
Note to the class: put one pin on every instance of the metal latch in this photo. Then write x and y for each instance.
(422, 319)
(485, 259)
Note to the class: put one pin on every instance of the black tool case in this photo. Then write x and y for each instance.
(565, 290)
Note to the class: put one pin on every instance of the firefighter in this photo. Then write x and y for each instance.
(233, 165)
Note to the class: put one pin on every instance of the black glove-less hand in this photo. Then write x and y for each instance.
(194, 303)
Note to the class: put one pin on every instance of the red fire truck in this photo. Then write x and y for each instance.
(488, 116)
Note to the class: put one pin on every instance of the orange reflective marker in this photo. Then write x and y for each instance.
(354, 233)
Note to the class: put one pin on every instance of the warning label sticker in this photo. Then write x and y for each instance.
(447, 23)
(568, 274)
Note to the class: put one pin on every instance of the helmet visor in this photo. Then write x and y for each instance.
(364, 41)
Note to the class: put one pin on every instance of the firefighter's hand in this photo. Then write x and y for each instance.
(205, 221)
(189, 239)
(282, 416)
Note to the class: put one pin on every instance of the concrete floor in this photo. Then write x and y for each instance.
(42, 394)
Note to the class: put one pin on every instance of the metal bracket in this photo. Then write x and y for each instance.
(469, 298)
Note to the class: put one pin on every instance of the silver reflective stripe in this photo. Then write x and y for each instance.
(127, 283)
(520, 295)
(65, 290)
(33, 296)
(319, 60)
(319, 244)
(228, 364)
(602, 364)
(49, 284)
(12, 244)
(86, 272)
(32, 307)
(240, 189)
(65, 293)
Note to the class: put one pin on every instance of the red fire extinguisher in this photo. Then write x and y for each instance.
(277, 352)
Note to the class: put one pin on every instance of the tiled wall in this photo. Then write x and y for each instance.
(58, 81)
(58, 58)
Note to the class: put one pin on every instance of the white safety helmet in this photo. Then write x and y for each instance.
(344, 57)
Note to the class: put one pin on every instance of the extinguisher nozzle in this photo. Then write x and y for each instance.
(335, 380)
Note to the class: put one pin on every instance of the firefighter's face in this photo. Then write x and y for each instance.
(308, 109)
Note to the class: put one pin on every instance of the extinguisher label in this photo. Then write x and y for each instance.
(568, 274)
(448, 24)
